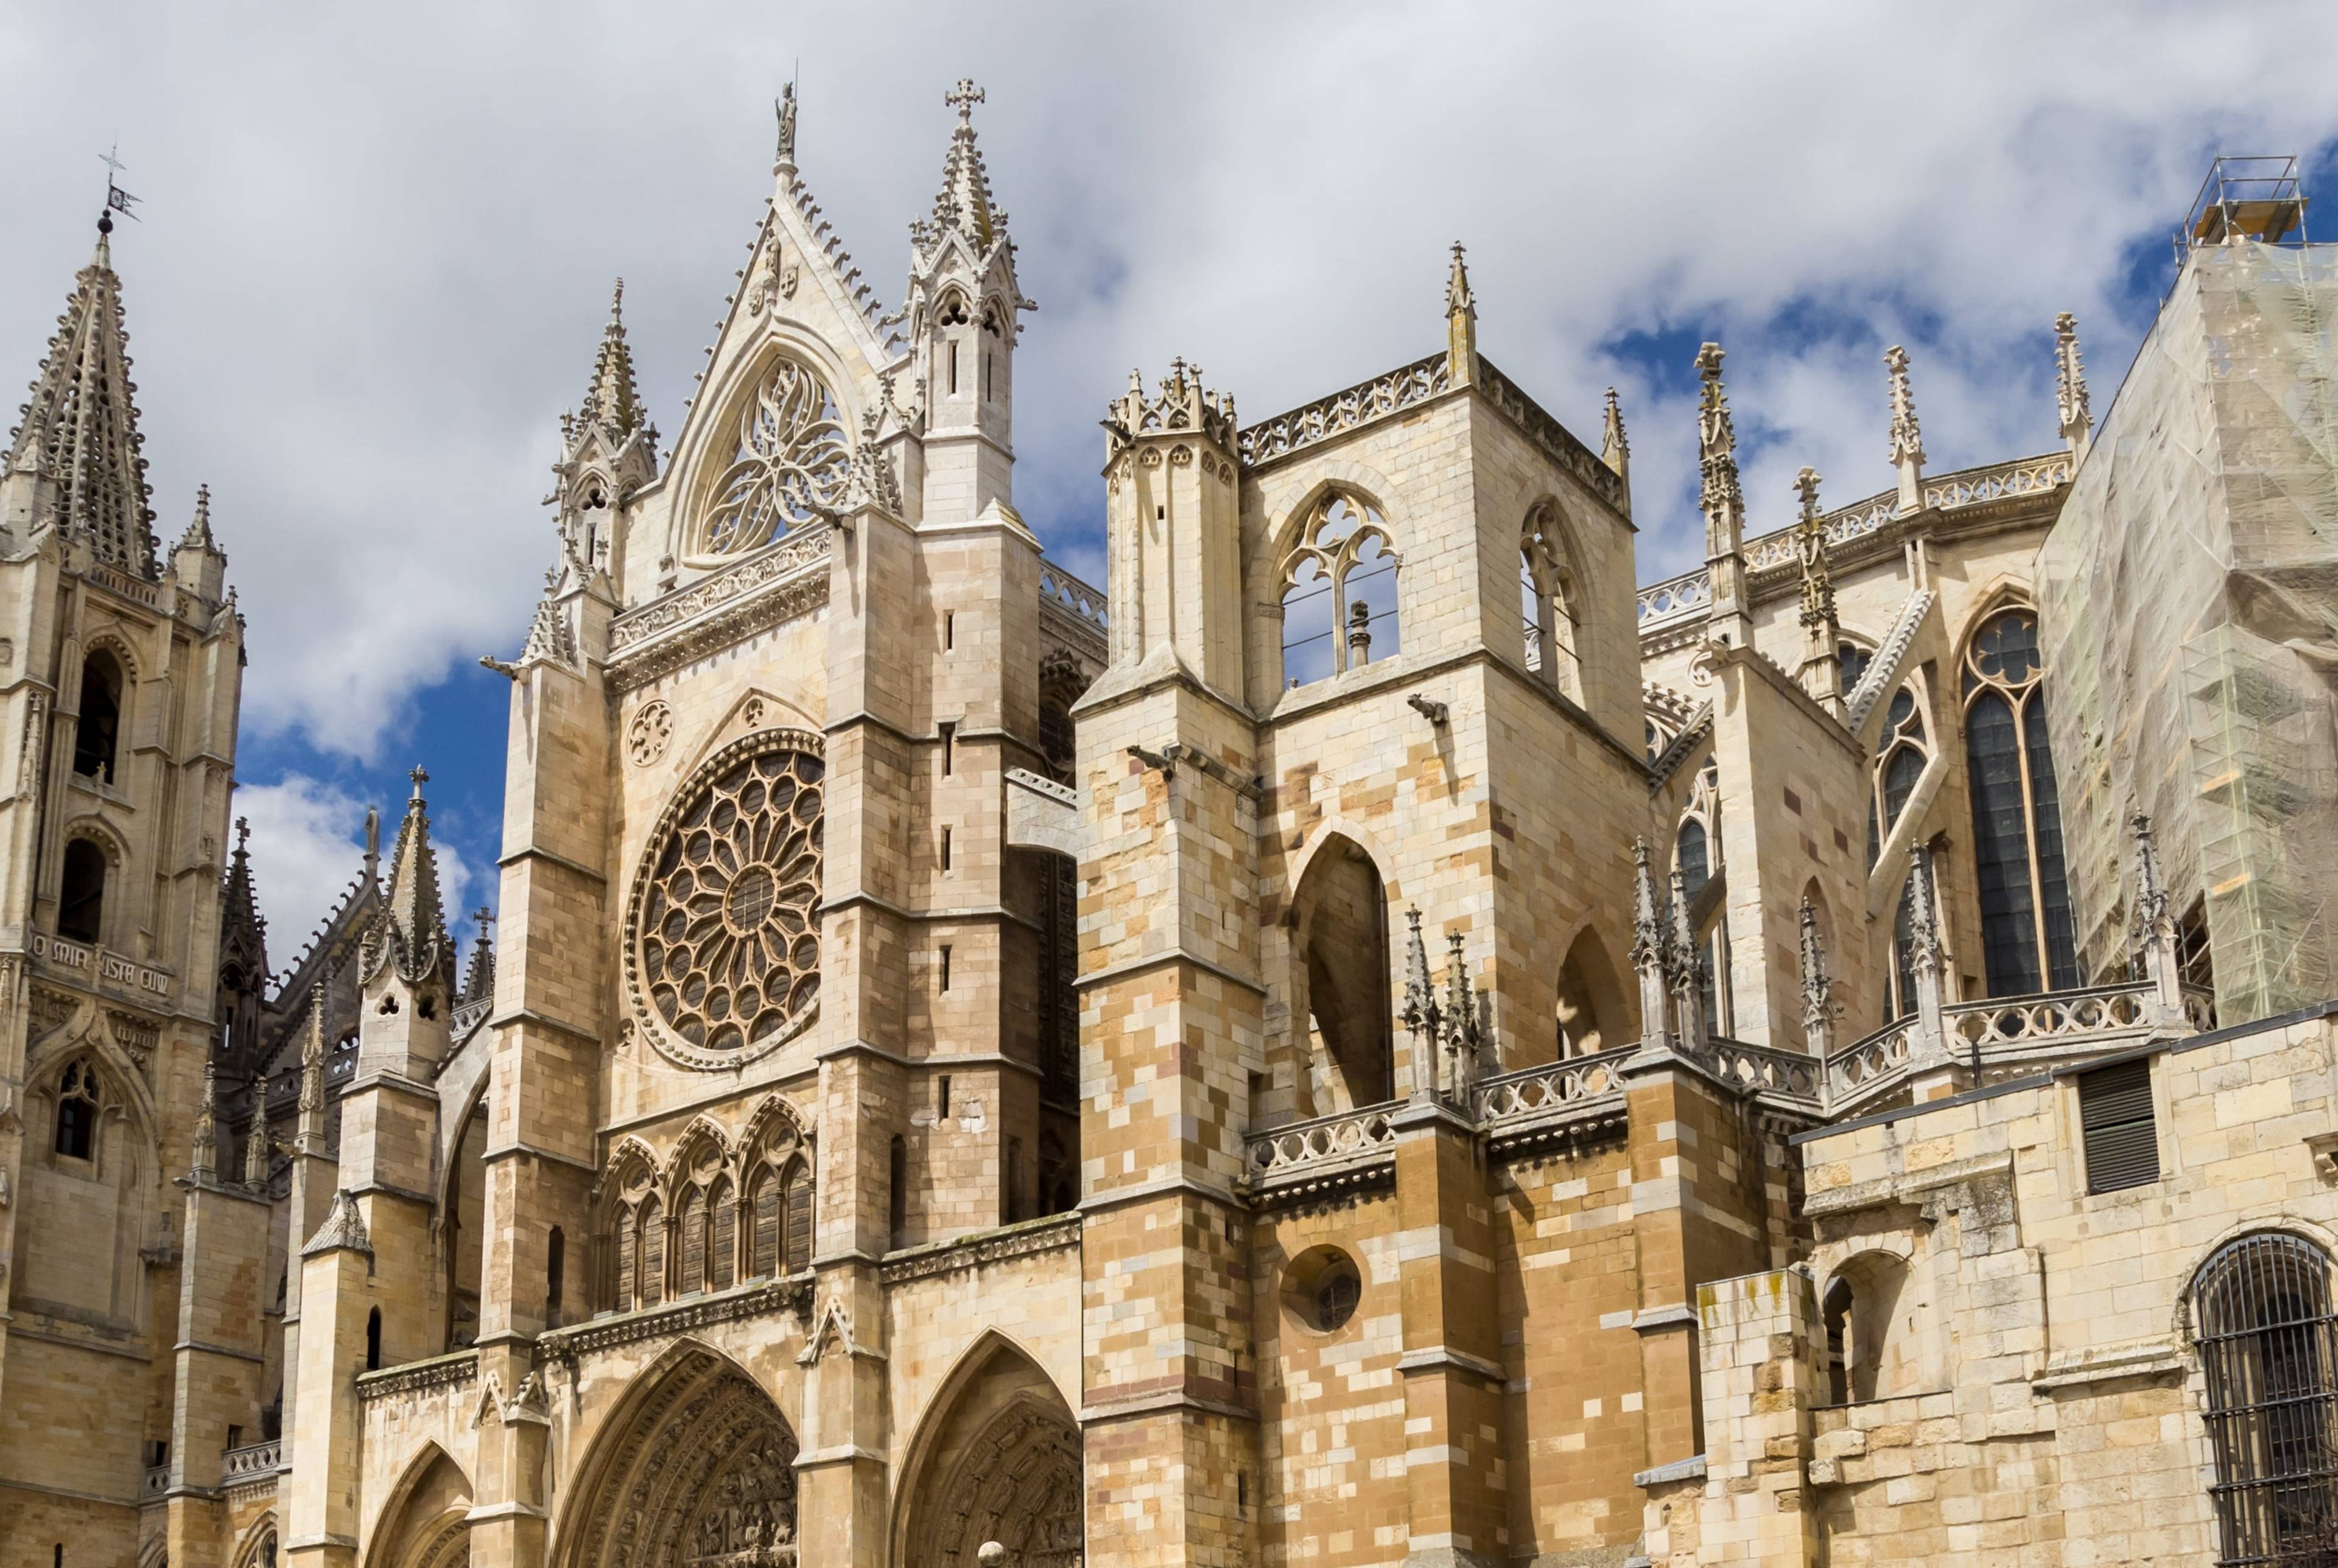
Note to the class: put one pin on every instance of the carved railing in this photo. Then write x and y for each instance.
(1557, 442)
(1327, 1140)
(252, 1460)
(1869, 1065)
(1760, 1067)
(1343, 411)
(2001, 1023)
(1679, 597)
(1535, 1091)
(156, 1480)
(1085, 605)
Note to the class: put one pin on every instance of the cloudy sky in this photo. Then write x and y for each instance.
(377, 246)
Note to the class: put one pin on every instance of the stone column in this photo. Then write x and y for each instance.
(320, 1490)
(217, 1360)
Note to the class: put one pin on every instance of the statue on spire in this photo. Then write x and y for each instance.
(1907, 436)
(1821, 670)
(784, 107)
(2070, 387)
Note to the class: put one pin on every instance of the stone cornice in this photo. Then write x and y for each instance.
(786, 581)
(1053, 1233)
(449, 1371)
(759, 1299)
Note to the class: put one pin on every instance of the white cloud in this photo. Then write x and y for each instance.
(374, 259)
(307, 844)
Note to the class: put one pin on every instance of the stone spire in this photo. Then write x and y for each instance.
(1461, 322)
(1458, 1057)
(1817, 988)
(1822, 672)
(78, 438)
(198, 535)
(964, 207)
(256, 1149)
(242, 930)
(1688, 970)
(1420, 1008)
(1648, 949)
(614, 399)
(411, 929)
(1722, 504)
(479, 979)
(1615, 447)
(309, 1133)
(2070, 387)
(206, 1150)
(1907, 436)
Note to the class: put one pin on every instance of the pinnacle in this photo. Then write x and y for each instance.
(411, 911)
(614, 399)
(198, 535)
(964, 203)
(1457, 298)
(241, 915)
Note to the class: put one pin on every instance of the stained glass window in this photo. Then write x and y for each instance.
(2028, 936)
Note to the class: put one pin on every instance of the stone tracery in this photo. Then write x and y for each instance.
(790, 467)
(725, 940)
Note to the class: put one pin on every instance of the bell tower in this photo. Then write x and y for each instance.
(965, 312)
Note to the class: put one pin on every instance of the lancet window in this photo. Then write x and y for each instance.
(1850, 662)
(96, 732)
(1546, 601)
(789, 465)
(1340, 594)
(2028, 934)
(1900, 752)
(81, 896)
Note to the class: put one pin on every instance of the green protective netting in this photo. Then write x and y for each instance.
(2188, 601)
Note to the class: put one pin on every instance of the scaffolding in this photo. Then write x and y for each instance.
(2188, 602)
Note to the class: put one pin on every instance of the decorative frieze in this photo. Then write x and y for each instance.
(1028, 1240)
(761, 1299)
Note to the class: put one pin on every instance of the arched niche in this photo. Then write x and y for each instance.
(997, 1458)
(1342, 1017)
(1595, 1007)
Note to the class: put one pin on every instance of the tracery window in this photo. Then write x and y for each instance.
(2027, 936)
(77, 1107)
(2268, 1340)
(1901, 751)
(1340, 594)
(790, 466)
(726, 939)
(1546, 601)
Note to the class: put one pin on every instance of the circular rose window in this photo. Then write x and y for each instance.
(725, 949)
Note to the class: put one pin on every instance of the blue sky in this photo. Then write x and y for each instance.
(373, 261)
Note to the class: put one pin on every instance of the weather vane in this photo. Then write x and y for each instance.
(117, 200)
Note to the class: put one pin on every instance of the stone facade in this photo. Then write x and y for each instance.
(1373, 1038)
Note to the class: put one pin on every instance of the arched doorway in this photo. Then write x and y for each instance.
(999, 1461)
(694, 1468)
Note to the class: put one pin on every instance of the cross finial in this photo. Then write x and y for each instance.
(483, 915)
(420, 778)
(243, 832)
(617, 302)
(1806, 486)
(963, 98)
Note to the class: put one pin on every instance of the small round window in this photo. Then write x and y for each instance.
(1323, 1288)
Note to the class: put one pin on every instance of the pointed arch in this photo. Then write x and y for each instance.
(996, 1456)
(1551, 596)
(1595, 1006)
(1341, 984)
(693, 1462)
(702, 1139)
(423, 1520)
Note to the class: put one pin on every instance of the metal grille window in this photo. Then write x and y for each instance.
(2115, 1122)
(2262, 1312)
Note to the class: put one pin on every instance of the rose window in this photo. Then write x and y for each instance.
(791, 467)
(726, 948)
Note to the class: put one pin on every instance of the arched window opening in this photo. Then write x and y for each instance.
(1341, 920)
(896, 1193)
(100, 717)
(1694, 865)
(1697, 854)
(722, 1242)
(466, 1216)
(1546, 601)
(789, 465)
(1835, 1313)
(373, 1341)
(80, 898)
(796, 1213)
(1340, 594)
(556, 1275)
(2268, 1343)
(651, 1288)
(1901, 751)
(1851, 660)
(1592, 1014)
(1058, 1183)
(763, 1227)
(77, 1107)
(2028, 936)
